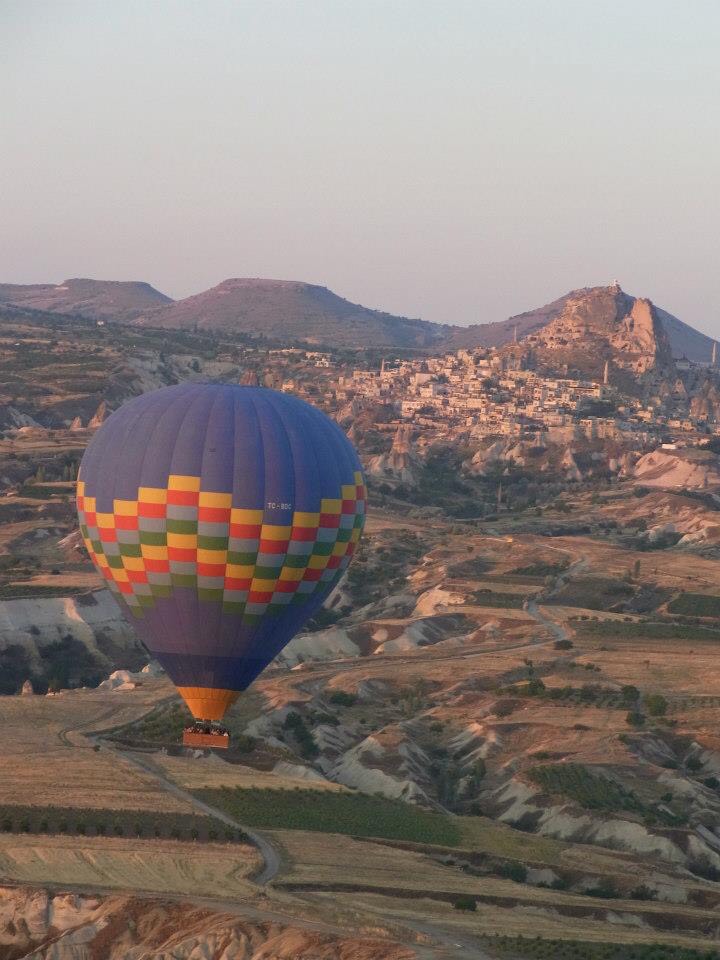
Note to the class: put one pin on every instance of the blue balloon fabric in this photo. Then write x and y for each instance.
(221, 517)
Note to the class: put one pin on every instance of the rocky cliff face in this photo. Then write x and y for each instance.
(604, 324)
(66, 926)
(683, 340)
(69, 639)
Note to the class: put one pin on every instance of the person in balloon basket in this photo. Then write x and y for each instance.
(208, 729)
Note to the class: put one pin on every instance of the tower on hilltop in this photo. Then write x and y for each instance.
(606, 373)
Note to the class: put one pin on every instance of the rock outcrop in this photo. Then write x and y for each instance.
(67, 926)
(401, 463)
(681, 469)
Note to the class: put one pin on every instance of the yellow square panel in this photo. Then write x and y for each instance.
(120, 575)
(318, 563)
(186, 541)
(153, 552)
(355, 535)
(330, 506)
(349, 491)
(134, 563)
(81, 488)
(238, 515)
(240, 571)
(152, 495)
(211, 556)
(271, 531)
(292, 573)
(188, 484)
(301, 519)
(358, 477)
(125, 508)
(340, 549)
(89, 505)
(215, 499)
(263, 586)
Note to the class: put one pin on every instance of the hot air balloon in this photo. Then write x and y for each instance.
(220, 517)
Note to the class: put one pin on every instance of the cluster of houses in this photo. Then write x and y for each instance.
(489, 392)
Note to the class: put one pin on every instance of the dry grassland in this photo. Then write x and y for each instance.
(45, 761)
(158, 866)
(528, 919)
(324, 861)
(210, 772)
(679, 667)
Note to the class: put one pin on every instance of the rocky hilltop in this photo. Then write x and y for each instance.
(290, 309)
(95, 299)
(602, 326)
(591, 305)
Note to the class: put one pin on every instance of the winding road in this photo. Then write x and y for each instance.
(269, 854)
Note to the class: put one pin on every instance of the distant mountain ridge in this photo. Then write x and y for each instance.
(296, 311)
(118, 300)
(292, 310)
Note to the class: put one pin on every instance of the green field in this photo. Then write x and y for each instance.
(592, 791)
(489, 598)
(643, 631)
(117, 823)
(353, 814)
(695, 605)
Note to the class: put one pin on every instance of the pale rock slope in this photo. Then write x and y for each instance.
(682, 469)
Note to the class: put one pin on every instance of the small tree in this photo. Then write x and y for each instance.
(517, 872)
(656, 705)
(465, 902)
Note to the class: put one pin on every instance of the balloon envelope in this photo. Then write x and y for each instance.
(221, 517)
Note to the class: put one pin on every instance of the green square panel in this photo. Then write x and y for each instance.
(212, 543)
(130, 549)
(181, 526)
(322, 549)
(211, 595)
(232, 607)
(296, 561)
(161, 590)
(183, 579)
(151, 538)
(242, 559)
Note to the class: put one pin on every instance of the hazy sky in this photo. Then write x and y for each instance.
(459, 161)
